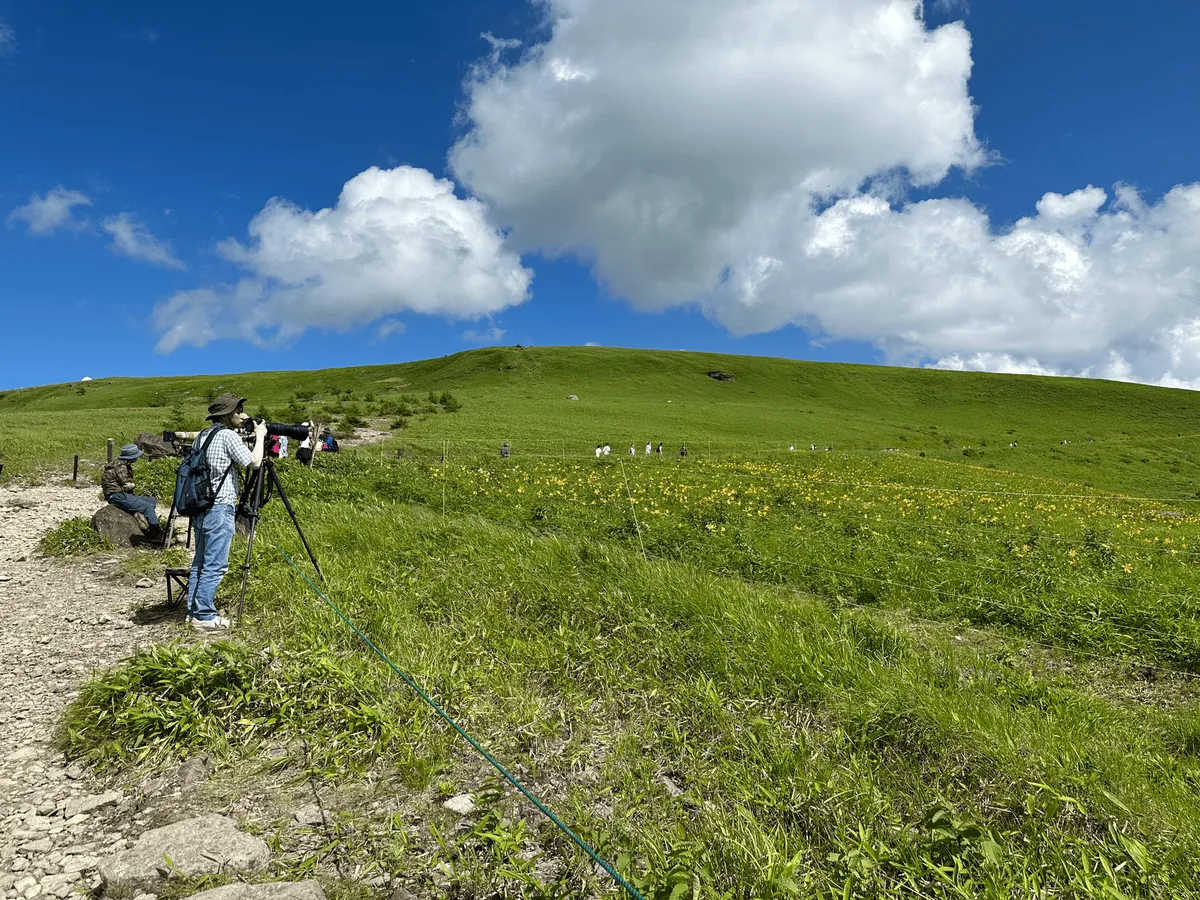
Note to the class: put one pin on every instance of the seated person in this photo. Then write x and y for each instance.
(117, 486)
(329, 443)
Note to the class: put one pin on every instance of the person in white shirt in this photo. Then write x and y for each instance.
(648, 449)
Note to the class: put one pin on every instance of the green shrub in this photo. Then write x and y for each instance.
(73, 537)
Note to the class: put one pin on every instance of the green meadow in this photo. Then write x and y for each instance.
(921, 663)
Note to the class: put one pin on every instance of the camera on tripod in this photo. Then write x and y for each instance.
(291, 432)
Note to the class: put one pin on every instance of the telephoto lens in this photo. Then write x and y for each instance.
(291, 432)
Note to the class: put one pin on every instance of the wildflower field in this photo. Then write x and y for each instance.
(747, 673)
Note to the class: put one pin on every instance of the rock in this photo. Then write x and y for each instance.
(21, 754)
(194, 770)
(75, 864)
(41, 845)
(670, 785)
(120, 527)
(204, 845)
(400, 892)
(463, 804)
(311, 815)
(271, 890)
(721, 376)
(154, 447)
(79, 805)
(144, 583)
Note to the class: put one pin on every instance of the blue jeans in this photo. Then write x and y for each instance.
(213, 531)
(135, 504)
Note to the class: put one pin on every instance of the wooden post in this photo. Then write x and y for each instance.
(110, 449)
(75, 469)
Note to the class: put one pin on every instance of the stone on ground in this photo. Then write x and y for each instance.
(205, 845)
(463, 804)
(271, 890)
(120, 527)
(154, 447)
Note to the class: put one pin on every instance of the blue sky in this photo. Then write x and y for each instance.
(174, 125)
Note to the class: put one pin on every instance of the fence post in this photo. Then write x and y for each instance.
(75, 469)
(110, 449)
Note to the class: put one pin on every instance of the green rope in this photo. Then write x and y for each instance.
(579, 842)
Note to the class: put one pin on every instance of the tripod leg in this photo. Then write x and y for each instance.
(169, 534)
(287, 504)
(254, 489)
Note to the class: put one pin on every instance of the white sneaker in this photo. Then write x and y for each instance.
(211, 624)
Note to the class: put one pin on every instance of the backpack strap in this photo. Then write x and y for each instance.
(208, 443)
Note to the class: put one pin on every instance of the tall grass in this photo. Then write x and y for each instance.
(819, 752)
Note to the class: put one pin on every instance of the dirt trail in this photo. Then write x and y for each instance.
(59, 622)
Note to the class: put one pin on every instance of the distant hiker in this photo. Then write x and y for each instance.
(647, 449)
(213, 528)
(329, 443)
(812, 447)
(607, 449)
(117, 486)
(683, 450)
(791, 447)
(504, 450)
(658, 449)
(599, 450)
(632, 450)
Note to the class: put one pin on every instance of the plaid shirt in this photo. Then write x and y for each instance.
(224, 452)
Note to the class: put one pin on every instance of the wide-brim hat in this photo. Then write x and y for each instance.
(130, 452)
(224, 405)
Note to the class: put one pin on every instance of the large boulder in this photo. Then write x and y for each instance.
(124, 529)
(205, 845)
(268, 890)
(154, 447)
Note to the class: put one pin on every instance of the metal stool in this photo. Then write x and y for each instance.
(180, 579)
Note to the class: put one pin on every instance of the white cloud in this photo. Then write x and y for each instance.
(653, 138)
(132, 239)
(752, 157)
(1076, 289)
(398, 240)
(8, 40)
(488, 335)
(388, 327)
(51, 211)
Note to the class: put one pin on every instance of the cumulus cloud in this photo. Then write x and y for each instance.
(50, 211)
(753, 158)
(132, 239)
(650, 137)
(398, 240)
(1085, 287)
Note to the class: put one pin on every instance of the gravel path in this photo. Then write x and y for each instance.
(58, 623)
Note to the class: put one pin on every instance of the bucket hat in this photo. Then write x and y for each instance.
(130, 452)
(224, 405)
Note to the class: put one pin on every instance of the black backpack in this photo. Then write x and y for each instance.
(193, 480)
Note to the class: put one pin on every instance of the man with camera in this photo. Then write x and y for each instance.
(213, 528)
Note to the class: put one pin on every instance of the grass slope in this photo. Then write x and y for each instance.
(1143, 436)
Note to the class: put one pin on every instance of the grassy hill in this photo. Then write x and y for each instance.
(947, 672)
(1124, 437)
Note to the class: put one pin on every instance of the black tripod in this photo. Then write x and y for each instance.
(261, 485)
